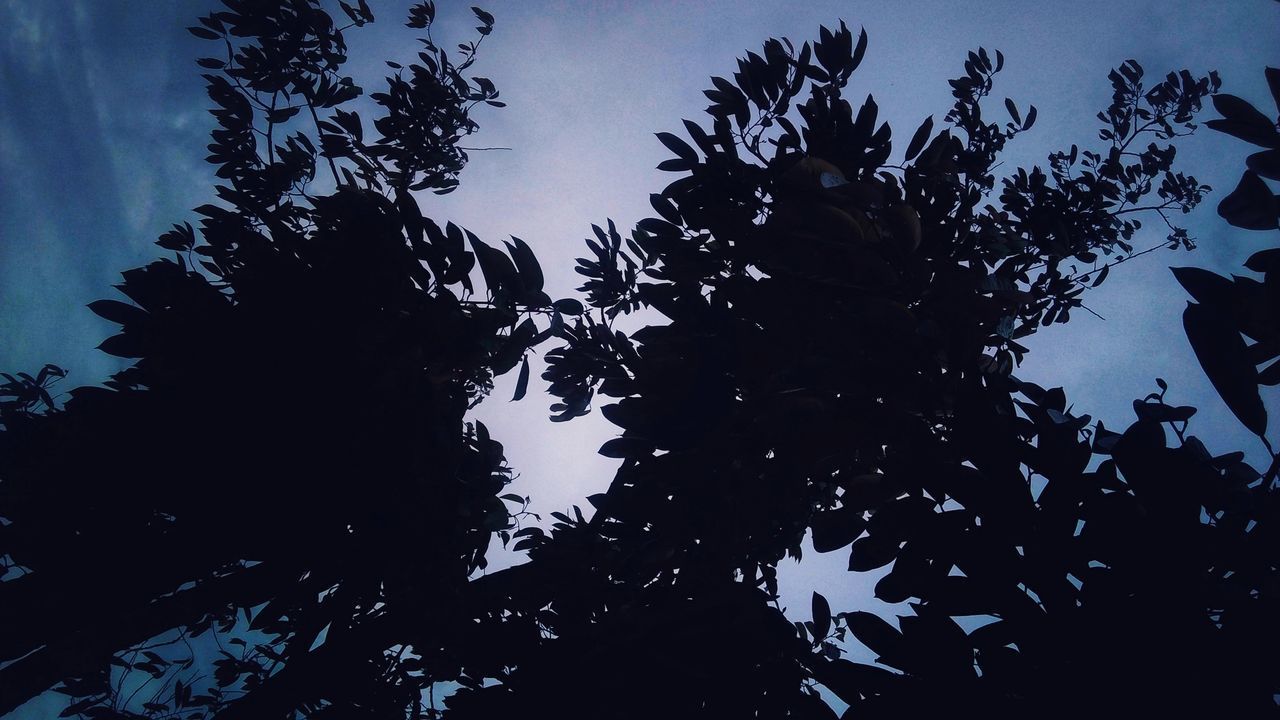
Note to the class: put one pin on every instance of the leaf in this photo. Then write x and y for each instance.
(1264, 260)
(498, 271)
(1206, 287)
(527, 265)
(568, 306)
(920, 137)
(1238, 110)
(834, 529)
(203, 33)
(679, 147)
(625, 447)
(1159, 412)
(959, 595)
(821, 617)
(870, 553)
(676, 165)
(124, 346)
(878, 635)
(522, 381)
(117, 312)
(1245, 128)
(700, 137)
(1273, 82)
(280, 115)
(1270, 376)
(1031, 118)
(851, 682)
(1265, 163)
(1013, 111)
(1222, 353)
(666, 209)
(79, 707)
(1251, 205)
(859, 51)
(483, 16)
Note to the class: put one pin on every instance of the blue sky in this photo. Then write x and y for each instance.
(102, 134)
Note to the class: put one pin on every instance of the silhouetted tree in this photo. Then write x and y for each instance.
(290, 443)
(836, 358)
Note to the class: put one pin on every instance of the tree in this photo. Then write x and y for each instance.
(836, 359)
(293, 430)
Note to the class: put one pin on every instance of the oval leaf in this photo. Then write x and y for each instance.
(1206, 287)
(1221, 352)
(834, 529)
(1251, 205)
(117, 312)
(679, 147)
(920, 138)
(878, 635)
(821, 617)
(522, 382)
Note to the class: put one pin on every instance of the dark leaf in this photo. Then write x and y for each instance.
(676, 165)
(834, 529)
(624, 447)
(1270, 375)
(878, 635)
(1265, 163)
(1240, 111)
(679, 147)
(821, 617)
(920, 137)
(118, 312)
(1013, 111)
(522, 381)
(1249, 132)
(1273, 82)
(1264, 261)
(568, 306)
(872, 552)
(859, 51)
(125, 346)
(666, 209)
(282, 114)
(1222, 354)
(527, 264)
(1251, 205)
(1206, 287)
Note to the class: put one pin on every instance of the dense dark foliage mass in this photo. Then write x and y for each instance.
(279, 509)
(293, 430)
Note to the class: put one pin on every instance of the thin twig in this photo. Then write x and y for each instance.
(1091, 312)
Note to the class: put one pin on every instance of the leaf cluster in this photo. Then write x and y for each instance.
(285, 473)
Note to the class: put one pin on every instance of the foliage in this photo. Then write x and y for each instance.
(1225, 310)
(836, 360)
(290, 444)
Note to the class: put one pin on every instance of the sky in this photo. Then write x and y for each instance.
(103, 127)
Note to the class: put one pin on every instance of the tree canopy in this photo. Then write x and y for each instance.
(279, 509)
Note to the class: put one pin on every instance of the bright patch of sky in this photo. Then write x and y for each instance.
(102, 134)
